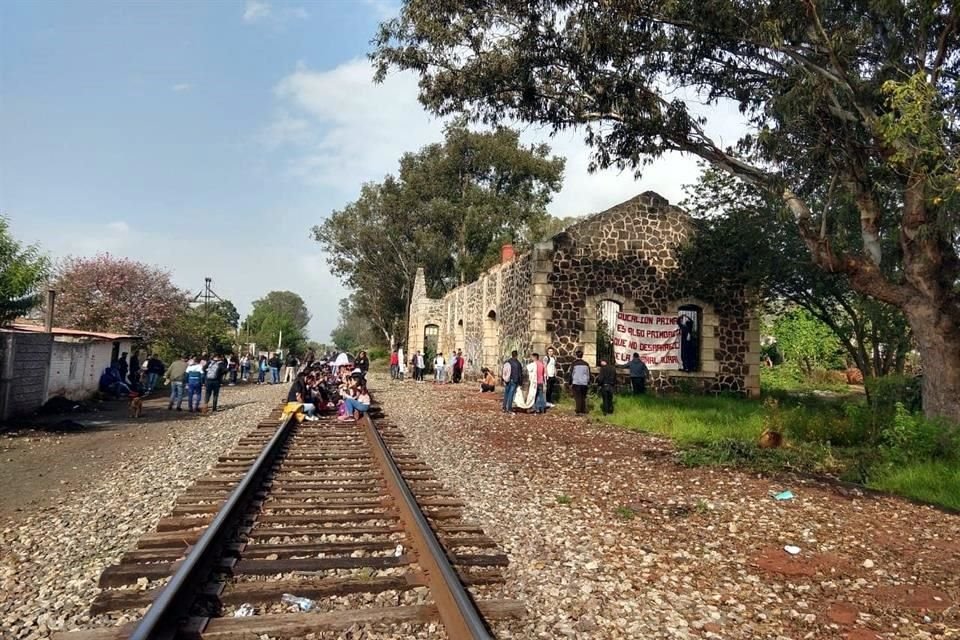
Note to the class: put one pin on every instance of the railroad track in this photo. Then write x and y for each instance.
(337, 513)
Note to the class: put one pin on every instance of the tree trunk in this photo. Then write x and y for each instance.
(937, 333)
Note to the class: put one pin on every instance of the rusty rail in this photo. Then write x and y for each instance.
(458, 612)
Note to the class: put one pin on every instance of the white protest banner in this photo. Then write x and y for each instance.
(655, 338)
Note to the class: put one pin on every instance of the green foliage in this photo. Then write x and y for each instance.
(353, 331)
(23, 269)
(845, 438)
(625, 513)
(743, 245)
(279, 314)
(806, 342)
(564, 499)
(195, 332)
(449, 209)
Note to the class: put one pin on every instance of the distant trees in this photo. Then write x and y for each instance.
(106, 293)
(353, 331)
(23, 270)
(449, 209)
(279, 314)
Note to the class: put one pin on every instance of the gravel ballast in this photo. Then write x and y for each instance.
(51, 558)
(609, 538)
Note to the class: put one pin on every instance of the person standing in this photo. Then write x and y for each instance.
(134, 374)
(540, 374)
(122, 367)
(214, 378)
(274, 363)
(292, 365)
(394, 365)
(262, 368)
(551, 371)
(579, 381)
(233, 367)
(638, 374)
(512, 375)
(607, 382)
(438, 368)
(175, 374)
(245, 367)
(420, 365)
(155, 369)
(194, 378)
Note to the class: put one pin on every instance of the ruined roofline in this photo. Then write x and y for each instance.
(652, 199)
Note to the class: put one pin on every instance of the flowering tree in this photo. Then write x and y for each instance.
(105, 293)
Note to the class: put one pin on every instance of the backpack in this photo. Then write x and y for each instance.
(213, 371)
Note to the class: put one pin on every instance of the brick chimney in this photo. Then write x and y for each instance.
(506, 253)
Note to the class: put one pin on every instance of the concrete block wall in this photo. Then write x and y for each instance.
(25, 372)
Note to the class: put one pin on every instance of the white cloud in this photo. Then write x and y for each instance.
(260, 11)
(384, 9)
(182, 86)
(256, 11)
(342, 130)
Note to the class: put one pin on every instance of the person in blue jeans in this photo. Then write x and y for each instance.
(215, 372)
(356, 406)
(194, 378)
(262, 369)
(274, 363)
(512, 372)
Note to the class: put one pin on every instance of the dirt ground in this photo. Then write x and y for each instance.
(628, 543)
(45, 459)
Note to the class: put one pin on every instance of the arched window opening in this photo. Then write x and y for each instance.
(431, 335)
(491, 340)
(690, 321)
(607, 312)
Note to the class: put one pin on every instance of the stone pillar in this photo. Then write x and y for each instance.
(752, 381)
(542, 290)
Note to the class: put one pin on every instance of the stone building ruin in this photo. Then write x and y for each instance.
(564, 292)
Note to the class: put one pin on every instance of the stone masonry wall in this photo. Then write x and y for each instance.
(550, 297)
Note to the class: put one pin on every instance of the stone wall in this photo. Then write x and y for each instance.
(24, 367)
(550, 297)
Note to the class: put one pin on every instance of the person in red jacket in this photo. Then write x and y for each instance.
(394, 364)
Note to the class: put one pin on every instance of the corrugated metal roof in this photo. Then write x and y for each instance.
(75, 333)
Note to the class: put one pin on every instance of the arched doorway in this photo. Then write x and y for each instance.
(431, 334)
(607, 311)
(691, 322)
(491, 340)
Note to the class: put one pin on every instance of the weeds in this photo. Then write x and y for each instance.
(564, 499)
(626, 513)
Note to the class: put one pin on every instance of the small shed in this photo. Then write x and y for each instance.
(78, 358)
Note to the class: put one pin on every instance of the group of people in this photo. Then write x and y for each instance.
(534, 387)
(455, 369)
(326, 385)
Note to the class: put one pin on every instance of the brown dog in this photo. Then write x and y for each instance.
(770, 440)
(136, 407)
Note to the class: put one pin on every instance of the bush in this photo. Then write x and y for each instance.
(824, 425)
(911, 437)
(377, 353)
(885, 392)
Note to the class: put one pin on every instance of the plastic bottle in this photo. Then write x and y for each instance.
(305, 604)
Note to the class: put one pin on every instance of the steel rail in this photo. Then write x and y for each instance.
(457, 610)
(164, 616)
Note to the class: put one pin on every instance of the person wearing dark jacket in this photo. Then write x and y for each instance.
(362, 362)
(512, 375)
(580, 381)
(638, 374)
(607, 382)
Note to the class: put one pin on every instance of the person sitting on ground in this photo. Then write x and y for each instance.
(356, 406)
(300, 392)
(111, 383)
(489, 382)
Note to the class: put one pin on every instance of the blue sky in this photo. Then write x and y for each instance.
(208, 137)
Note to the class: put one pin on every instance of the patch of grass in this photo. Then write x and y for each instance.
(936, 482)
(625, 513)
(689, 420)
(564, 499)
(702, 506)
